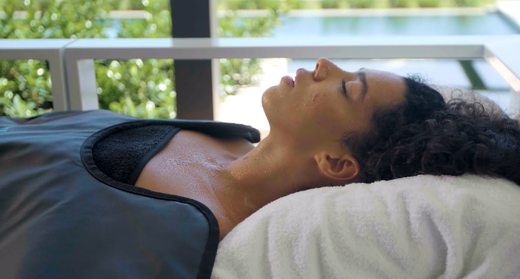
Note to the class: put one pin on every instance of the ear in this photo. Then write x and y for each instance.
(338, 167)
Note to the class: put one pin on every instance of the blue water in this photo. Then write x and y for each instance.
(314, 26)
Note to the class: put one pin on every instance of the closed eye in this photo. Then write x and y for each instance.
(343, 83)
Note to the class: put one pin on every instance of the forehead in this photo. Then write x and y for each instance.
(384, 88)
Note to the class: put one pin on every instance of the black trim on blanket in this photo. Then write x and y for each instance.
(148, 156)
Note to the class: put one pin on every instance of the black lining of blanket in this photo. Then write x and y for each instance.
(148, 156)
(123, 155)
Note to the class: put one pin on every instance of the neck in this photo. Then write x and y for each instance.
(266, 173)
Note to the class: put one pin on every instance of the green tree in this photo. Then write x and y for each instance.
(469, 3)
(429, 3)
(25, 86)
(142, 88)
(401, 3)
(238, 72)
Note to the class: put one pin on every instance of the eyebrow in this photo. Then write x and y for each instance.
(362, 76)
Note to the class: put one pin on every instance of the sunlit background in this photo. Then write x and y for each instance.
(146, 88)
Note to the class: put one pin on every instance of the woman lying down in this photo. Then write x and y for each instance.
(96, 194)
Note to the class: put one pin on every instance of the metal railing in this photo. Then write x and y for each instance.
(71, 62)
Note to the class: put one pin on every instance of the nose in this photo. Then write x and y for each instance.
(323, 66)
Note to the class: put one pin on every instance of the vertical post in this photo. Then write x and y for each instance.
(59, 88)
(215, 63)
(193, 78)
(472, 75)
(81, 81)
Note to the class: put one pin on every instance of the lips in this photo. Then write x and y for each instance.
(299, 73)
(288, 80)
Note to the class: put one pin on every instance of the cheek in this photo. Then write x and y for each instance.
(324, 113)
(314, 109)
(313, 103)
(329, 123)
(333, 116)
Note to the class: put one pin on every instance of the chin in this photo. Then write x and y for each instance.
(269, 98)
(272, 103)
(277, 110)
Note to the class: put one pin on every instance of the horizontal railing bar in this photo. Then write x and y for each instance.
(500, 51)
(51, 50)
(15, 49)
(450, 47)
(18, 44)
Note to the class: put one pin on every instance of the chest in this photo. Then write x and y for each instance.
(187, 164)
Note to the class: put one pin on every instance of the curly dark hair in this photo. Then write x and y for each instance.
(426, 135)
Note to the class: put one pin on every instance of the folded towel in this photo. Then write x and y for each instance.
(416, 227)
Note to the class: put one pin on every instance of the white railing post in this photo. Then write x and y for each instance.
(81, 77)
(51, 50)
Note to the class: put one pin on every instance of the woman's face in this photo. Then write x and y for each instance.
(315, 110)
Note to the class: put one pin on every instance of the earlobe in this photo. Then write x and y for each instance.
(341, 168)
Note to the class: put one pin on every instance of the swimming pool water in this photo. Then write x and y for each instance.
(315, 26)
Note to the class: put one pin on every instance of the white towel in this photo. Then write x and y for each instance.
(415, 227)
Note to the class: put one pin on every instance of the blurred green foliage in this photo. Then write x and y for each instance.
(136, 87)
(25, 86)
(401, 3)
(334, 4)
(429, 3)
(141, 88)
(238, 72)
(468, 3)
(125, 4)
